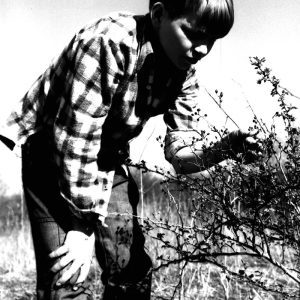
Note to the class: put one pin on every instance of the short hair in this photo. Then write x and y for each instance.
(216, 16)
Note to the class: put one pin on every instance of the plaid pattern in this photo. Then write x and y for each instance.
(96, 97)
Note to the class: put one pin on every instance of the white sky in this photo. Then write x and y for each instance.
(34, 31)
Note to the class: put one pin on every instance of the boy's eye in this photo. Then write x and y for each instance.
(195, 34)
(198, 36)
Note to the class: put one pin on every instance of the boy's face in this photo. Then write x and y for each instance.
(182, 40)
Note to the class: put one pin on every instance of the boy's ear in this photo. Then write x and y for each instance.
(156, 13)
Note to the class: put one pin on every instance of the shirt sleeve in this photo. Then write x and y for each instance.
(182, 118)
(93, 64)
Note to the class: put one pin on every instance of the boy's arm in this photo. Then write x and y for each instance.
(78, 129)
(197, 158)
(185, 146)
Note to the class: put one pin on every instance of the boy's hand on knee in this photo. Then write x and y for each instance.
(75, 254)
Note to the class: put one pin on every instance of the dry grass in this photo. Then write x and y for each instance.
(17, 264)
(198, 281)
(17, 267)
(205, 281)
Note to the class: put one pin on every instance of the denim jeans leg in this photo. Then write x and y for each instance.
(48, 214)
(48, 235)
(120, 246)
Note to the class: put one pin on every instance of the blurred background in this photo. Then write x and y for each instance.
(33, 32)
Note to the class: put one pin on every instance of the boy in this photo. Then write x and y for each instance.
(74, 125)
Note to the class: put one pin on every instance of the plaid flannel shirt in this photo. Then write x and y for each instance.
(97, 96)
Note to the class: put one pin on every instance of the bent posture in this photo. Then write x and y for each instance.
(74, 125)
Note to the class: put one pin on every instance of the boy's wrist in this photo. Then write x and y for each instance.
(82, 225)
(223, 149)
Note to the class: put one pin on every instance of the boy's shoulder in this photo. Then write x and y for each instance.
(119, 27)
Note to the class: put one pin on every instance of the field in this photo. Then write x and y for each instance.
(196, 281)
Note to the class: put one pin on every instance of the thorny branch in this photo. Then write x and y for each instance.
(244, 210)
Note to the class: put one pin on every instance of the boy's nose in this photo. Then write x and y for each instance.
(201, 50)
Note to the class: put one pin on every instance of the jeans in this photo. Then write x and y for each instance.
(119, 248)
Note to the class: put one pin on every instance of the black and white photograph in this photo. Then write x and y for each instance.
(149, 150)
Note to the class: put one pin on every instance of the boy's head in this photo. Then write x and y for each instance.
(187, 29)
(217, 16)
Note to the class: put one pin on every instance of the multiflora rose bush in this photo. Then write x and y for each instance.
(248, 207)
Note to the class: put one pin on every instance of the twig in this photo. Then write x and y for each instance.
(249, 105)
(213, 98)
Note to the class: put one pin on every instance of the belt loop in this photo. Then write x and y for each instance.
(133, 191)
(141, 190)
(136, 194)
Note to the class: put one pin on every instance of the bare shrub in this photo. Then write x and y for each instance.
(242, 217)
